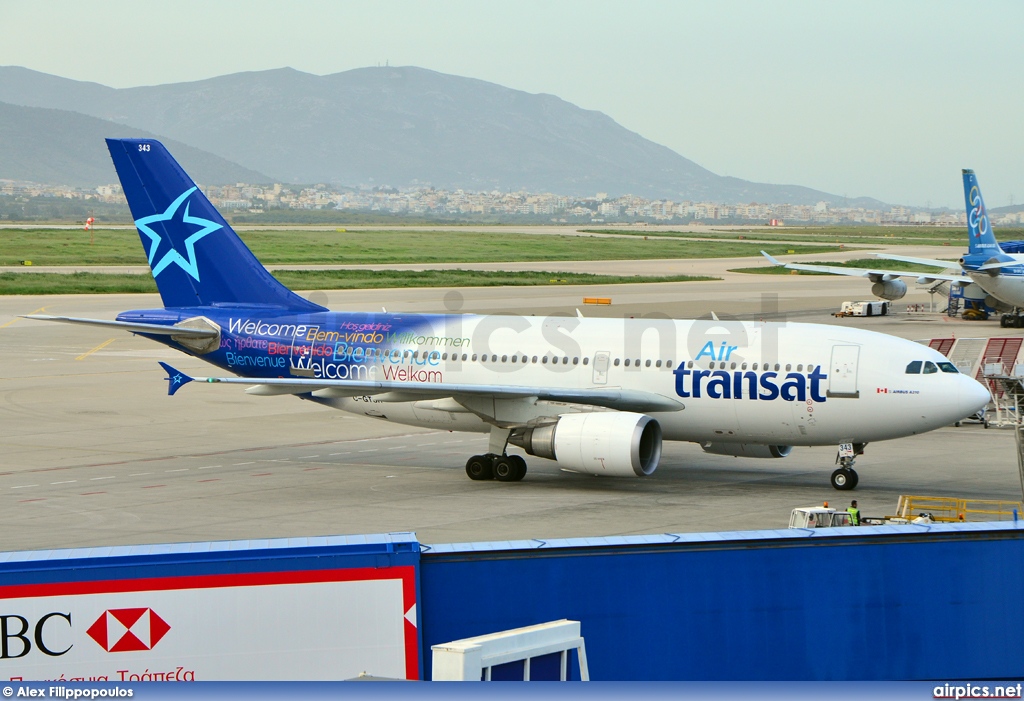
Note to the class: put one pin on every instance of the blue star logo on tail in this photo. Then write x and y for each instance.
(173, 256)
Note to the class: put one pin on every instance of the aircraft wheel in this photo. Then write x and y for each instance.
(520, 467)
(844, 480)
(480, 467)
(506, 469)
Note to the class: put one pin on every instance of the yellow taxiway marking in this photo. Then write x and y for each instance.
(41, 309)
(101, 346)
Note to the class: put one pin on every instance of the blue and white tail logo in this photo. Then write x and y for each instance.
(981, 239)
(196, 257)
(170, 256)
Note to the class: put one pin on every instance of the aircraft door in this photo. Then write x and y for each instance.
(601, 359)
(842, 376)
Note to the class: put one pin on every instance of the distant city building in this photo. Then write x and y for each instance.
(600, 208)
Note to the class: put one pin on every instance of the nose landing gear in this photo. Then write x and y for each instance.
(845, 477)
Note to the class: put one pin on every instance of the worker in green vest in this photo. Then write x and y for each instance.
(854, 513)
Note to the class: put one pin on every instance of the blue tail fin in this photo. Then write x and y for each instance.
(980, 238)
(195, 256)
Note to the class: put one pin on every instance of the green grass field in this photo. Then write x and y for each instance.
(872, 263)
(94, 283)
(917, 235)
(122, 247)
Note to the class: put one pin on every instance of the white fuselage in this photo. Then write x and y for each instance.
(735, 382)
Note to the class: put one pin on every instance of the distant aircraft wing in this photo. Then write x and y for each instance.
(920, 261)
(156, 329)
(872, 274)
(620, 399)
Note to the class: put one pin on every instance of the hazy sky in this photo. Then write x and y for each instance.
(885, 99)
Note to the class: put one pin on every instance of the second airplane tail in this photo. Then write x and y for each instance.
(980, 237)
(195, 256)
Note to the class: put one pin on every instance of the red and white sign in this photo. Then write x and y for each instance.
(306, 625)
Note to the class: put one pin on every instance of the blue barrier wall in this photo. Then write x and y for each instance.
(876, 603)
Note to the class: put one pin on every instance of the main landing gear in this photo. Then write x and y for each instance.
(504, 468)
(845, 477)
(1012, 321)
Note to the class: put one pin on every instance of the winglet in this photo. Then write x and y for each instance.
(175, 379)
(773, 261)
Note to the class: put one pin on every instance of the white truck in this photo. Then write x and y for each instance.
(863, 309)
(819, 517)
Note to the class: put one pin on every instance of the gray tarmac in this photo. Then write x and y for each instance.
(93, 452)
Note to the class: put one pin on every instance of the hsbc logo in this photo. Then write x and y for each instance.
(128, 630)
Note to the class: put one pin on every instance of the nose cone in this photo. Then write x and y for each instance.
(973, 397)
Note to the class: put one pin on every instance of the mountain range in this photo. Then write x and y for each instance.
(385, 126)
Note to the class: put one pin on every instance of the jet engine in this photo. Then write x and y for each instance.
(616, 444)
(889, 289)
(747, 450)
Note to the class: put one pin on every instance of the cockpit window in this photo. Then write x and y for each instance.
(948, 367)
(930, 367)
(914, 368)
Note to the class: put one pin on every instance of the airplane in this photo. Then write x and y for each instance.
(999, 275)
(597, 396)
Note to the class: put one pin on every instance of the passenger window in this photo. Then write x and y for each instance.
(627, 362)
(754, 366)
(616, 362)
(788, 367)
(647, 363)
(544, 360)
(800, 368)
(689, 364)
(930, 367)
(586, 361)
(777, 366)
(668, 363)
(515, 358)
(504, 358)
(657, 364)
(914, 368)
(743, 367)
(494, 358)
(948, 367)
(535, 360)
(464, 356)
(575, 361)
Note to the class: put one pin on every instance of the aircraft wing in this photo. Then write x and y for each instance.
(620, 399)
(157, 329)
(874, 275)
(919, 261)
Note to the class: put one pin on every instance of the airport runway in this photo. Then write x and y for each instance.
(93, 452)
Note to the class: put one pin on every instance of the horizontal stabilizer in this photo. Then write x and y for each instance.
(156, 329)
(1000, 264)
(175, 379)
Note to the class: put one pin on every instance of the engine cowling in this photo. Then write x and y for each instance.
(616, 444)
(747, 450)
(889, 289)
